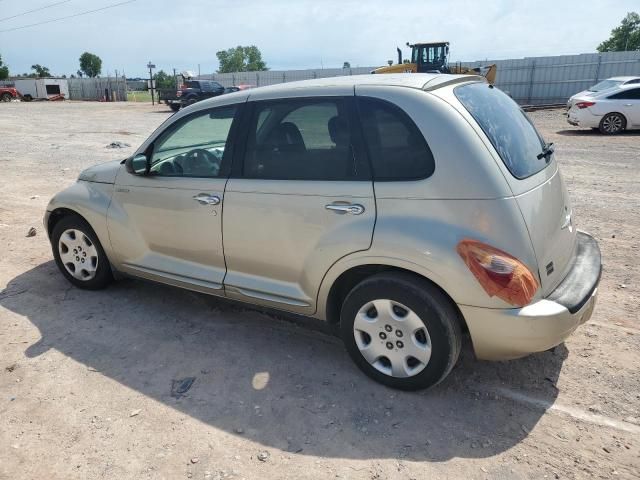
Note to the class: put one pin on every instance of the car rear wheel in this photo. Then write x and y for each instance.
(6, 97)
(401, 331)
(79, 255)
(612, 123)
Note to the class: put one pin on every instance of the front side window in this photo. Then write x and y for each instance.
(507, 126)
(297, 139)
(194, 146)
(396, 147)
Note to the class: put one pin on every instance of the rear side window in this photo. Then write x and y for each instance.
(191, 84)
(632, 94)
(397, 149)
(509, 129)
(300, 139)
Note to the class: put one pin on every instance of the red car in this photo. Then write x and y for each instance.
(8, 93)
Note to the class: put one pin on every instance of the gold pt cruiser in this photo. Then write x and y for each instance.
(406, 208)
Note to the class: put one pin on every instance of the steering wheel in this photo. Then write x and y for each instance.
(200, 162)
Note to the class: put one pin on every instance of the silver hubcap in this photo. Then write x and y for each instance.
(78, 254)
(612, 123)
(392, 338)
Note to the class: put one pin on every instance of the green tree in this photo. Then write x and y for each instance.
(40, 70)
(241, 59)
(90, 64)
(164, 80)
(4, 70)
(346, 65)
(625, 37)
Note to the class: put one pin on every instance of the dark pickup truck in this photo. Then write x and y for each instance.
(190, 92)
(195, 90)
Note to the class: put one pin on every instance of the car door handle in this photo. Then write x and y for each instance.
(628, 104)
(207, 199)
(567, 220)
(341, 208)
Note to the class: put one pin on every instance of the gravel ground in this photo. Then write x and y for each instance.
(90, 381)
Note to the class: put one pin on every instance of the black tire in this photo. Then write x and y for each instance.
(174, 106)
(612, 123)
(103, 275)
(27, 98)
(6, 97)
(189, 101)
(434, 309)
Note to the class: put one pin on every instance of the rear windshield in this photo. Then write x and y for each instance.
(509, 129)
(605, 85)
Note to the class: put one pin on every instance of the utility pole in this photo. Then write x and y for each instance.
(198, 70)
(151, 66)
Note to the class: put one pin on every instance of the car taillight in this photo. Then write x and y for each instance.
(585, 104)
(500, 274)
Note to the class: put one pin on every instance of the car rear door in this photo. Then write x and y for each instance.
(167, 225)
(628, 103)
(299, 199)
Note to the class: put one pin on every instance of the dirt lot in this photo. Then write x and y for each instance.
(86, 377)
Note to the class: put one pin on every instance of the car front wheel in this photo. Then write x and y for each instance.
(612, 123)
(6, 97)
(401, 331)
(79, 255)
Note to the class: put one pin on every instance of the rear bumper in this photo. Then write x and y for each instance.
(583, 118)
(501, 334)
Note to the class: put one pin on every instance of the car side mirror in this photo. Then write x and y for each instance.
(138, 164)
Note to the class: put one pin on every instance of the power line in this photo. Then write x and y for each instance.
(68, 16)
(34, 10)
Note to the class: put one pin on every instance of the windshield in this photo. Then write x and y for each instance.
(509, 129)
(605, 85)
(425, 55)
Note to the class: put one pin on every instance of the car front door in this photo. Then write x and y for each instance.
(166, 224)
(300, 198)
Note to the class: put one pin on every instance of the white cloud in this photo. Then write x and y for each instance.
(302, 34)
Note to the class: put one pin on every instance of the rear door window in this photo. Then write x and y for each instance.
(509, 129)
(631, 94)
(396, 147)
(301, 139)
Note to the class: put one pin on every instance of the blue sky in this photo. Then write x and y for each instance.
(298, 34)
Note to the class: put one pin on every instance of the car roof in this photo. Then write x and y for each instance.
(411, 80)
(623, 79)
(423, 81)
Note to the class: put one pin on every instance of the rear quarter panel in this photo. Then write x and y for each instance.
(420, 223)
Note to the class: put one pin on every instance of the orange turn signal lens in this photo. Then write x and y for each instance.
(499, 273)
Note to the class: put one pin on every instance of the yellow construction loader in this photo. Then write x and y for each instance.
(433, 57)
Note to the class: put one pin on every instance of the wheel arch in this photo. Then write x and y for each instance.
(331, 303)
(58, 214)
(624, 118)
(87, 200)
